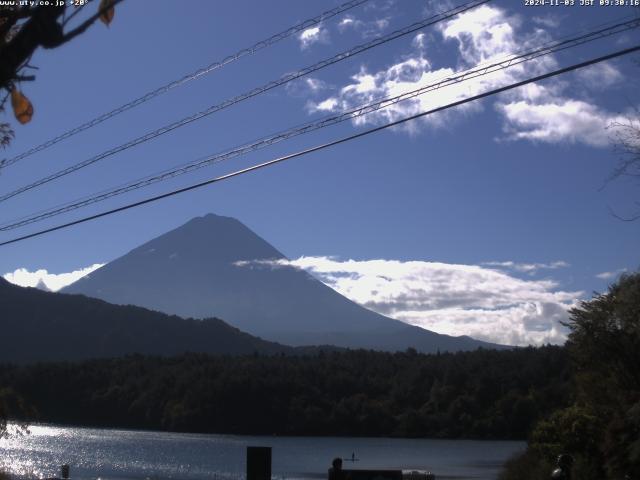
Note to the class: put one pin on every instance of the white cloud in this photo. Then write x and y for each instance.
(610, 275)
(528, 267)
(484, 34)
(315, 84)
(415, 71)
(600, 75)
(347, 21)
(328, 105)
(484, 303)
(313, 35)
(367, 29)
(419, 41)
(564, 120)
(53, 281)
(398, 79)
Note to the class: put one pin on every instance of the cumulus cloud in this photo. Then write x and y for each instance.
(52, 281)
(313, 35)
(610, 275)
(328, 105)
(564, 120)
(484, 303)
(484, 35)
(398, 79)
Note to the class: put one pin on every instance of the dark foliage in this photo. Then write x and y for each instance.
(481, 394)
(43, 326)
(601, 429)
(25, 28)
(13, 405)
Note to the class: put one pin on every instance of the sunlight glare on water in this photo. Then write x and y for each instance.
(124, 454)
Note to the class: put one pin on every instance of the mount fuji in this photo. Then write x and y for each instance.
(200, 270)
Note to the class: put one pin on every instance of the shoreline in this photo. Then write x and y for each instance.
(259, 435)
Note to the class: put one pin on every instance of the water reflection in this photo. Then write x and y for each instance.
(124, 454)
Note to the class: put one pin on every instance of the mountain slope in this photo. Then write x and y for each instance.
(196, 271)
(43, 326)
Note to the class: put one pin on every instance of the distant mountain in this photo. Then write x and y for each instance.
(43, 326)
(193, 271)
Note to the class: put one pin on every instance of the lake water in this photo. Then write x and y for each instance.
(125, 454)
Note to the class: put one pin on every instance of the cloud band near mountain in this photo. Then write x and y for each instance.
(485, 303)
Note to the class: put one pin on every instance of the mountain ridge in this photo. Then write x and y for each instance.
(46, 326)
(195, 271)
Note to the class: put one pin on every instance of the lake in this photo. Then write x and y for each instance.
(126, 454)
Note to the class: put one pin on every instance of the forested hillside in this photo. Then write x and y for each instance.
(44, 326)
(481, 394)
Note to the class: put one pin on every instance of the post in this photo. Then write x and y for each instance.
(258, 463)
(64, 471)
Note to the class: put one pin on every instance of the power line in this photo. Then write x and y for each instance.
(252, 93)
(329, 144)
(480, 70)
(187, 78)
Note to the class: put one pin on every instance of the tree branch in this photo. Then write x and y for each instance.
(88, 22)
(624, 219)
(9, 18)
(76, 12)
(42, 28)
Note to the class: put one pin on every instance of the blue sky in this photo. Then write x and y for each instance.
(490, 219)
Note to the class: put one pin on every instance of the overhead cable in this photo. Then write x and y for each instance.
(187, 78)
(250, 94)
(323, 146)
(321, 123)
(478, 71)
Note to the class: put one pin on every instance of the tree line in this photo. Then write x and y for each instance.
(582, 399)
(480, 394)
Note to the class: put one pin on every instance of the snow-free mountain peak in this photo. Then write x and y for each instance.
(207, 268)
